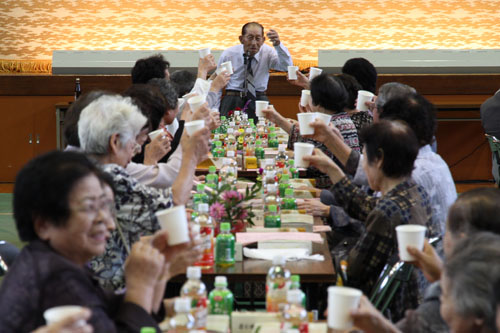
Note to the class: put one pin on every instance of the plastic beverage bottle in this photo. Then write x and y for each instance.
(288, 202)
(211, 181)
(277, 285)
(269, 174)
(237, 117)
(204, 220)
(221, 298)
(272, 218)
(259, 150)
(200, 190)
(230, 140)
(197, 291)
(223, 125)
(294, 315)
(284, 183)
(183, 320)
(224, 246)
(272, 141)
(218, 151)
(294, 173)
(231, 155)
(228, 174)
(281, 158)
(295, 285)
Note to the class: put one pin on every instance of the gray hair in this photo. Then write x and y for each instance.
(108, 115)
(472, 270)
(391, 90)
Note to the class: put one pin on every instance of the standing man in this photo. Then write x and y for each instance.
(251, 61)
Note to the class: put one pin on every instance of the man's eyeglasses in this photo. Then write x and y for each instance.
(250, 38)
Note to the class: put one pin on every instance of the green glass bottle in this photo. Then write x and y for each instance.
(221, 299)
(224, 246)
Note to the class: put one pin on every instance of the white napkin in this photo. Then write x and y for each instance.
(289, 254)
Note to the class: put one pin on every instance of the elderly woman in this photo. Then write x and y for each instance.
(63, 208)
(328, 96)
(390, 150)
(107, 129)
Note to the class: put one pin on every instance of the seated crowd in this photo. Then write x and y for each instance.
(88, 214)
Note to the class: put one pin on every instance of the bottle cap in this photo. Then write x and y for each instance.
(236, 112)
(281, 147)
(193, 272)
(216, 137)
(222, 118)
(285, 176)
(272, 208)
(182, 304)
(272, 129)
(291, 162)
(289, 191)
(232, 123)
(218, 144)
(200, 187)
(230, 130)
(258, 142)
(272, 135)
(212, 168)
(294, 296)
(295, 278)
(148, 330)
(220, 280)
(248, 130)
(230, 153)
(279, 260)
(271, 188)
(203, 208)
(225, 226)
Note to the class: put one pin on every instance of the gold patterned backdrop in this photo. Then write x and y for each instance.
(31, 29)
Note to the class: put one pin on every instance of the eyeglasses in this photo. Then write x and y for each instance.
(250, 38)
(93, 207)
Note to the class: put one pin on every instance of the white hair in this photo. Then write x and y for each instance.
(105, 116)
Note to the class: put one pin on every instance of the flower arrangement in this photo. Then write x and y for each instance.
(227, 204)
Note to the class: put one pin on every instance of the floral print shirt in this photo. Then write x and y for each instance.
(136, 205)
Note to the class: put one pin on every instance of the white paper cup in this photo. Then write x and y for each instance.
(292, 72)
(189, 95)
(154, 134)
(300, 150)
(204, 52)
(305, 97)
(341, 301)
(58, 313)
(196, 102)
(259, 106)
(323, 116)
(225, 66)
(304, 120)
(363, 96)
(174, 220)
(410, 235)
(313, 72)
(193, 126)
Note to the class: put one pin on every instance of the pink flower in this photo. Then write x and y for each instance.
(230, 195)
(217, 210)
(243, 214)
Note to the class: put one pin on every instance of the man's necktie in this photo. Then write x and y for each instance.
(249, 80)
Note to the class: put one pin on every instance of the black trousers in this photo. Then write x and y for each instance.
(230, 103)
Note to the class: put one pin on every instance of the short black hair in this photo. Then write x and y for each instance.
(246, 25)
(395, 142)
(72, 115)
(149, 68)
(167, 90)
(417, 112)
(352, 86)
(475, 210)
(364, 72)
(150, 101)
(183, 81)
(328, 92)
(43, 186)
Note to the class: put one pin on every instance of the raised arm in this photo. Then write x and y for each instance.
(282, 58)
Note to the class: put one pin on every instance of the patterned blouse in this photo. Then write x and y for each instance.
(136, 205)
(406, 203)
(361, 119)
(346, 127)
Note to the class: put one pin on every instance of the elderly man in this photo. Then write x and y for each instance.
(251, 61)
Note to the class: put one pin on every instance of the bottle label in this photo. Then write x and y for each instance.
(199, 312)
